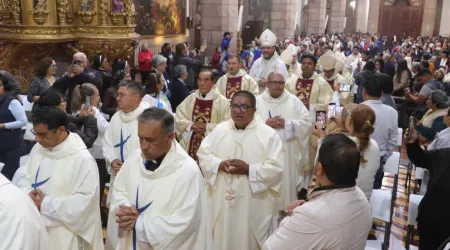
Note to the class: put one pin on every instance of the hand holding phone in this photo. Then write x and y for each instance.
(410, 128)
(331, 110)
(89, 102)
(321, 119)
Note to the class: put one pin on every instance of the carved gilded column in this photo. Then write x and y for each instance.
(62, 11)
(15, 10)
(129, 11)
(104, 12)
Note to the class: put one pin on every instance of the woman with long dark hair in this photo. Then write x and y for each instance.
(101, 64)
(45, 77)
(379, 65)
(401, 78)
(154, 93)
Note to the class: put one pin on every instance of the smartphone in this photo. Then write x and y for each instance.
(204, 41)
(321, 119)
(76, 63)
(332, 110)
(410, 128)
(88, 102)
(346, 88)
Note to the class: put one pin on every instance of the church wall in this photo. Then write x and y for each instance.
(445, 20)
(362, 15)
(337, 16)
(316, 16)
(350, 14)
(374, 15)
(282, 18)
(428, 19)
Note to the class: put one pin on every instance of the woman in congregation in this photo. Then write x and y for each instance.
(401, 78)
(45, 77)
(101, 64)
(154, 93)
(159, 63)
(433, 121)
(109, 105)
(79, 97)
(359, 123)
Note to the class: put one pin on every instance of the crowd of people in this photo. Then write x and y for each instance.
(222, 153)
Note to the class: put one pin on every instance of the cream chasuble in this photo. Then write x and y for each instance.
(228, 84)
(171, 200)
(121, 139)
(261, 68)
(294, 137)
(344, 92)
(242, 207)
(21, 226)
(347, 93)
(68, 175)
(211, 109)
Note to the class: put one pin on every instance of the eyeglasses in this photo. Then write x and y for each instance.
(42, 134)
(279, 83)
(52, 66)
(243, 107)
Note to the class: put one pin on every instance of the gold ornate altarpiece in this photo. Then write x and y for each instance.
(33, 29)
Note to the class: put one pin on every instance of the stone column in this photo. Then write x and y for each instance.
(282, 18)
(374, 15)
(316, 16)
(337, 16)
(429, 14)
(362, 15)
(445, 20)
(219, 16)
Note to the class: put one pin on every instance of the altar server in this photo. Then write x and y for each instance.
(159, 197)
(270, 62)
(199, 114)
(21, 226)
(242, 161)
(236, 80)
(121, 139)
(285, 113)
(61, 177)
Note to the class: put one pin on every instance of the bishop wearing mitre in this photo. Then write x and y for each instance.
(289, 57)
(346, 95)
(236, 79)
(269, 62)
(61, 177)
(242, 161)
(288, 116)
(121, 139)
(328, 61)
(159, 196)
(200, 113)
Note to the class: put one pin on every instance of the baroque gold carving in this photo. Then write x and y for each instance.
(116, 17)
(40, 16)
(129, 17)
(15, 9)
(110, 49)
(104, 12)
(6, 17)
(86, 16)
(62, 11)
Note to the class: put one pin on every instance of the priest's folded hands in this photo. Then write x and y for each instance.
(126, 217)
(275, 123)
(199, 127)
(37, 196)
(234, 166)
(116, 165)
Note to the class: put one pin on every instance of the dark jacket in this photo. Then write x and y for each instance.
(66, 85)
(193, 67)
(106, 81)
(85, 127)
(389, 68)
(109, 105)
(169, 56)
(179, 93)
(433, 218)
(438, 63)
(360, 80)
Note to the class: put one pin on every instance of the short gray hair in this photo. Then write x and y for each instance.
(158, 60)
(440, 99)
(80, 54)
(179, 70)
(416, 65)
(133, 86)
(164, 118)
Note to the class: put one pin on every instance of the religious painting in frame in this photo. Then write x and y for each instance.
(160, 17)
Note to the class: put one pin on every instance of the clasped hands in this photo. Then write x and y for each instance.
(37, 196)
(198, 127)
(234, 166)
(126, 217)
(275, 123)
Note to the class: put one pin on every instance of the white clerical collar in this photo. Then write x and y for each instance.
(61, 145)
(313, 77)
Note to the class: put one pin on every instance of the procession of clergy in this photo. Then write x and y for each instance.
(217, 174)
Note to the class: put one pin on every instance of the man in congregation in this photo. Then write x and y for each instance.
(159, 198)
(199, 114)
(269, 62)
(21, 226)
(386, 124)
(337, 214)
(236, 80)
(285, 113)
(242, 162)
(121, 139)
(61, 177)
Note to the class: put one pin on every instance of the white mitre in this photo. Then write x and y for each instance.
(340, 62)
(327, 60)
(286, 55)
(268, 38)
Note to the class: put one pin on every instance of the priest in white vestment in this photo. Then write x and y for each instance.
(269, 62)
(289, 57)
(236, 79)
(328, 61)
(200, 113)
(285, 113)
(316, 94)
(159, 194)
(61, 177)
(355, 56)
(21, 226)
(346, 95)
(242, 162)
(121, 139)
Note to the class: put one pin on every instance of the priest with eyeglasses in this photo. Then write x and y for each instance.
(242, 162)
